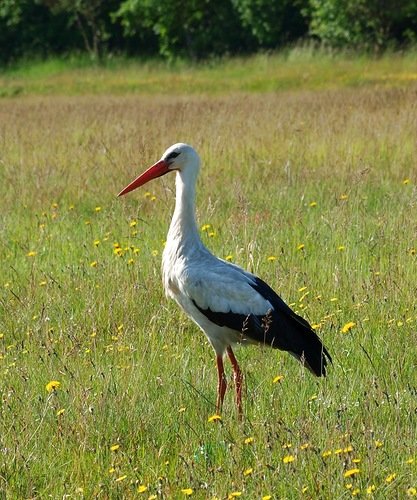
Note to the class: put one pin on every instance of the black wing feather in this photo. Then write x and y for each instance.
(281, 328)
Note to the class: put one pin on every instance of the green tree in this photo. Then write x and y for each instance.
(273, 23)
(27, 27)
(369, 24)
(190, 28)
(90, 17)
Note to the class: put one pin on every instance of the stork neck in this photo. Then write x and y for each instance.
(183, 226)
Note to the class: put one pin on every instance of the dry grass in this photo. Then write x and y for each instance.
(328, 169)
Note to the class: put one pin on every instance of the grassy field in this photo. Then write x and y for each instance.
(298, 68)
(107, 388)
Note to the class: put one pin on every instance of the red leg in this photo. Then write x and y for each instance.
(222, 385)
(238, 378)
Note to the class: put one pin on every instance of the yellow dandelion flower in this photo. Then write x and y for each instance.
(182, 409)
(114, 447)
(355, 492)
(153, 198)
(234, 494)
(53, 385)
(155, 253)
(205, 227)
(271, 258)
(286, 446)
(343, 197)
(378, 444)
(301, 246)
(118, 251)
(87, 222)
(142, 488)
(338, 451)
(248, 471)
(410, 461)
(249, 440)
(214, 418)
(136, 250)
(348, 449)
(316, 326)
(389, 479)
(351, 472)
(277, 379)
(98, 209)
(406, 181)
(349, 486)
(121, 478)
(71, 207)
(43, 283)
(112, 470)
(288, 459)
(313, 397)
(60, 412)
(187, 491)
(304, 446)
(32, 253)
(334, 299)
(356, 460)
(348, 326)
(96, 243)
(412, 492)
(341, 248)
(266, 497)
(212, 234)
(131, 261)
(304, 489)
(93, 264)
(229, 257)
(313, 204)
(133, 223)
(370, 489)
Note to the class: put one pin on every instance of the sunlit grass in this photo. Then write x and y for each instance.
(298, 68)
(108, 390)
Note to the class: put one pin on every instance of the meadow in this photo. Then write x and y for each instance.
(107, 389)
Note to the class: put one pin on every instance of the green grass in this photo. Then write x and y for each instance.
(297, 68)
(329, 168)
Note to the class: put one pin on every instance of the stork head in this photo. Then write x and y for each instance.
(180, 157)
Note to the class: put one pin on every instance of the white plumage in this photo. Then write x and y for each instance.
(228, 303)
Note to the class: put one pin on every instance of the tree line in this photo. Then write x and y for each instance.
(198, 29)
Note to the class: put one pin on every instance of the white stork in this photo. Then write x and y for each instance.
(230, 305)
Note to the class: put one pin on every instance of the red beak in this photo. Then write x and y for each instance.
(157, 170)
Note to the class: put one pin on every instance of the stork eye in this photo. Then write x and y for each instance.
(172, 155)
